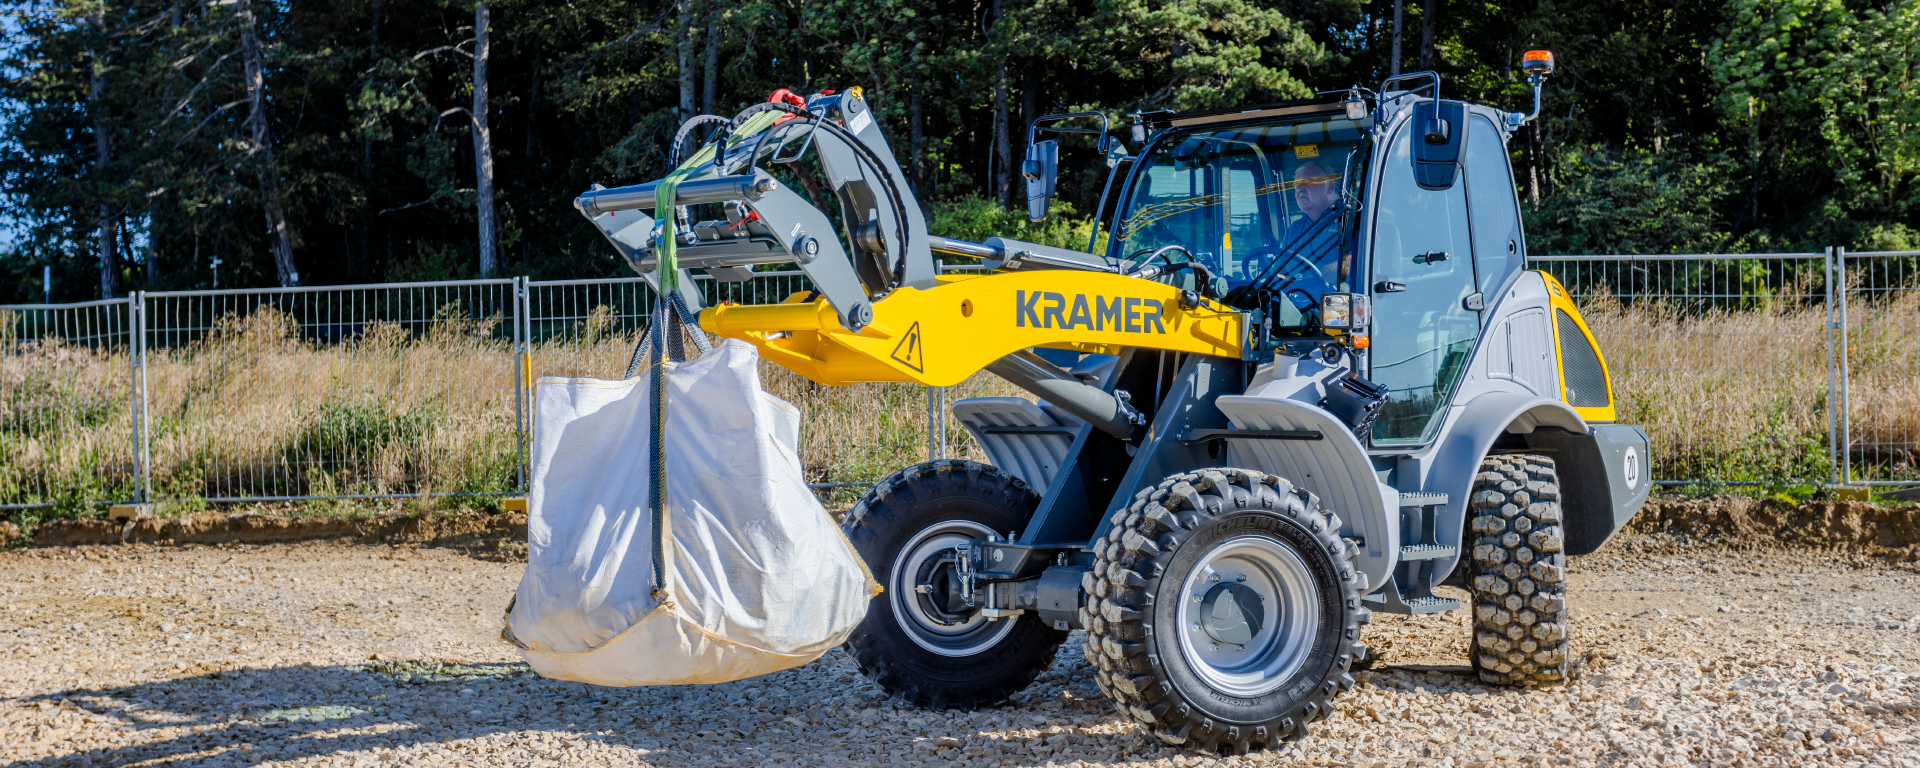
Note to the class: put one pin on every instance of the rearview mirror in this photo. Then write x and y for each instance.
(1041, 168)
(1437, 154)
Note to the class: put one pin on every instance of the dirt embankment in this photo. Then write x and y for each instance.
(489, 530)
(1883, 530)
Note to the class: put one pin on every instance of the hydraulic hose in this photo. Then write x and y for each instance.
(676, 152)
(860, 150)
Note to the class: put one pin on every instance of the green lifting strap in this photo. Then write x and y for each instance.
(665, 314)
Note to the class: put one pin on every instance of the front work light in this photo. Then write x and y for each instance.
(1356, 106)
(1343, 310)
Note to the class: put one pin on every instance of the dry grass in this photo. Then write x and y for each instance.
(1742, 395)
(256, 409)
(852, 434)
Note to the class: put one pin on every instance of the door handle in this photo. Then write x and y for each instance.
(1388, 286)
(1430, 257)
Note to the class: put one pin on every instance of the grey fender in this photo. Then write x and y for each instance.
(1605, 476)
(1456, 460)
(1335, 468)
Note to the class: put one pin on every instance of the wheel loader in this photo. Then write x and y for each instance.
(1306, 378)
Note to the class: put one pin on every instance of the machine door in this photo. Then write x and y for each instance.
(1498, 250)
(1423, 331)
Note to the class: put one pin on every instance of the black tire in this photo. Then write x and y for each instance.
(979, 662)
(1168, 537)
(1519, 583)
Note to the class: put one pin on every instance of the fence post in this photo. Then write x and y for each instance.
(936, 423)
(937, 407)
(522, 368)
(137, 352)
(1833, 381)
(1846, 368)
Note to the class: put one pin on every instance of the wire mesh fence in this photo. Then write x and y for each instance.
(67, 405)
(349, 392)
(1878, 388)
(1723, 359)
(1755, 368)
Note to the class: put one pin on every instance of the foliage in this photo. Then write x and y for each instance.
(1636, 201)
(977, 218)
(1790, 123)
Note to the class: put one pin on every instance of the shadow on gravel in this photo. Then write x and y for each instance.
(250, 716)
(822, 714)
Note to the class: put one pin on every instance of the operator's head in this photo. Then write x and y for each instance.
(1314, 199)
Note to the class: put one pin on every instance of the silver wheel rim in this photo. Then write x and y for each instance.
(1289, 614)
(974, 635)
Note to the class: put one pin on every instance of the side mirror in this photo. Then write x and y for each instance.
(1436, 156)
(1041, 169)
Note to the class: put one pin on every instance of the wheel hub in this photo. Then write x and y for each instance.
(1248, 615)
(938, 590)
(924, 589)
(1232, 613)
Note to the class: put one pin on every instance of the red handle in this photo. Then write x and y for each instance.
(784, 96)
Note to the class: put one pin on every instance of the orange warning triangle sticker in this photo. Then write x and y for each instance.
(910, 352)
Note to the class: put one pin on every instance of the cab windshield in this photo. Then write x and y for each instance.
(1245, 200)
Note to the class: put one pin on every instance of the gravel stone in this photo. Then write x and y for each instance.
(327, 654)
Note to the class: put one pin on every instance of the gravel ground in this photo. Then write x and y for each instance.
(337, 654)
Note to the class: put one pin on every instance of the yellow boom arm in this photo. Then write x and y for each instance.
(942, 335)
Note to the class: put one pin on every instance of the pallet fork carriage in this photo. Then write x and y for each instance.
(1307, 379)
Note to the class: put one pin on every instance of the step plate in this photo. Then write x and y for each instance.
(1426, 552)
(1422, 499)
(1420, 605)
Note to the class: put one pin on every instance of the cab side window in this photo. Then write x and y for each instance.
(1497, 249)
(1423, 259)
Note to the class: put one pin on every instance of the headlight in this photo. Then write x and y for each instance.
(1336, 310)
(1344, 310)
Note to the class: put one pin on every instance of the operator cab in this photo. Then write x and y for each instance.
(1247, 200)
(1405, 217)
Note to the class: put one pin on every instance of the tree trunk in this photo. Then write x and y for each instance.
(917, 134)
(1002, 148)
(686, 33)
(1428, 18)
(1396, 36)
(482, 138)
(1029, 106)
(710, 78)
(526, 160)
(366, 157)
(278, 237)
(108, 245)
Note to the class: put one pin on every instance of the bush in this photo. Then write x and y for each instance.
(975, 219)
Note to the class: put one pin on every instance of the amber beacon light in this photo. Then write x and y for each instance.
(1537, 63)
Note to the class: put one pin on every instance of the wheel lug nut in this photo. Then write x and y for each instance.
(1239, 647)
(1213, 646)
(1199, 596)
(1214, 577)
(1196, 626)
(1240, 578)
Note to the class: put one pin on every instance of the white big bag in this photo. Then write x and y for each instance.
(756, 577)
